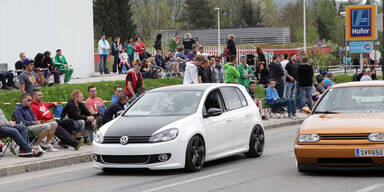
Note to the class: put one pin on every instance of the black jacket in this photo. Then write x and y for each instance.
(75, 112)
(232, 47)
(111, 111)
(276, 72)
(188, 43)
(305, 75)
(291, 70)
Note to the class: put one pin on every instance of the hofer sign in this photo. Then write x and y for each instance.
(361, 23)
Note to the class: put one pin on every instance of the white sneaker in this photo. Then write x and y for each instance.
(38, 148)
(49, 147)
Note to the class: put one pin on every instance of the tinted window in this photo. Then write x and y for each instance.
(242, 98)
(213, 100)
(231, 98)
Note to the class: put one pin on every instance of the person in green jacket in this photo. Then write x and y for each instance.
(174, 42)
(231, 73)
(61, 62)
(245, 71)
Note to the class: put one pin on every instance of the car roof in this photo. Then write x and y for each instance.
(360, 84)
(192, 87)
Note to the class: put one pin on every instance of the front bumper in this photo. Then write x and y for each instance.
(139, 155)
(336, 157)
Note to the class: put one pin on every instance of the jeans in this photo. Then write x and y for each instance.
(19, 134)
(290, 103)
(46, 74)
(103, 64)
(64, 135)
(115, 63)
(306, 92)
(146, 74)
(297, 95)
(289, 90)
(56, 75)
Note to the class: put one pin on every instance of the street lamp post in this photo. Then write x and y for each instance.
(305, 28)
(218, 30)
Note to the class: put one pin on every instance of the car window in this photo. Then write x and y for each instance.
(213, 101)
(242, 98)
(231, 98)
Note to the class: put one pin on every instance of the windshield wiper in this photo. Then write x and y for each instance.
(326, 112)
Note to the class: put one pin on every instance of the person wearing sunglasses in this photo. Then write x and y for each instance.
(25, 116)
(117, 92)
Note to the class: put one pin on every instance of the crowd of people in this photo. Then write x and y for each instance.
(34, 128)
(288, 80)
(35, 72)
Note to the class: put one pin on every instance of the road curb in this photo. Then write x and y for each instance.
(45, 164)
(289, 123)
(81, 158)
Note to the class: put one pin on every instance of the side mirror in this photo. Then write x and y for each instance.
(213, 112)
(307, 110)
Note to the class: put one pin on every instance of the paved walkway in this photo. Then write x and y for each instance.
(12, 164)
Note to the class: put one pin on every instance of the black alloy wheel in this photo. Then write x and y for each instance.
(195, 154)
(256, 142)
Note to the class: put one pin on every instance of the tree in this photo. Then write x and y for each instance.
(326, 19)
(113, 18)
(312, 36)
(247, 14)
(198, 14)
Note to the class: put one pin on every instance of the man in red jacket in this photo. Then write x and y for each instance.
(134, 80)
(64, 128)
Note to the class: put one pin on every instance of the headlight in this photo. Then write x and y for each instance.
(376, 137)
(99, 138)
(309, 138)
(167, 135)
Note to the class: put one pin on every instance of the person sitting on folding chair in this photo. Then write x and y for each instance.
(273, 99)
(76, 110)
(65, 127)
(18, 133)
(115, 107)
(25, 116)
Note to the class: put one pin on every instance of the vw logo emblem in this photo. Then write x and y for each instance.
(124, 140)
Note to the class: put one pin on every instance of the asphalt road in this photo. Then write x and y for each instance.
(274, 171)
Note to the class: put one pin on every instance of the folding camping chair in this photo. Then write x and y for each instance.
(8, 144)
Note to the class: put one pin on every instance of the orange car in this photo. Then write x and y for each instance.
(345, 129)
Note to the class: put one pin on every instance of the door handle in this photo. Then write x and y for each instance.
(228, 120)
(248, 115)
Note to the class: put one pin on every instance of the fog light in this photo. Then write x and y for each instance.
(163, 157)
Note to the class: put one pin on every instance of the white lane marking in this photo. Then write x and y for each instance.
(371, 188)
(39, 174)
(190, 180)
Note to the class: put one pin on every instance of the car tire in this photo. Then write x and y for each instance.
(256, 142)
(195, 154)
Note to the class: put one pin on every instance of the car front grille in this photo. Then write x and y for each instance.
(359, 136)
(126, 159)
(131, 139)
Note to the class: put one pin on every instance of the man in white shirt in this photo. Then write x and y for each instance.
(103, 47)
(191, 74)
(367, 77)
(285, 61)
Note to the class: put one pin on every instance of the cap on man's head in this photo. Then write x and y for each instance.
(324, 73)
(28, 61)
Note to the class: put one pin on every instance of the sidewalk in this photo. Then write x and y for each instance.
(12, 164)
(97, 78)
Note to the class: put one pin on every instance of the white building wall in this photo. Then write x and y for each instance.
(33, 26)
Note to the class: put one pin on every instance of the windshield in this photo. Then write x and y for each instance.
(166, 104)
(352, 100)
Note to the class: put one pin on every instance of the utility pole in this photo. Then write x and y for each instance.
(304, 28)
(382, 55)
(218, 31)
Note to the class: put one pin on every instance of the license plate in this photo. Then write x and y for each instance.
(369, 152)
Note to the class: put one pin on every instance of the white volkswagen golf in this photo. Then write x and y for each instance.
(181, 126)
